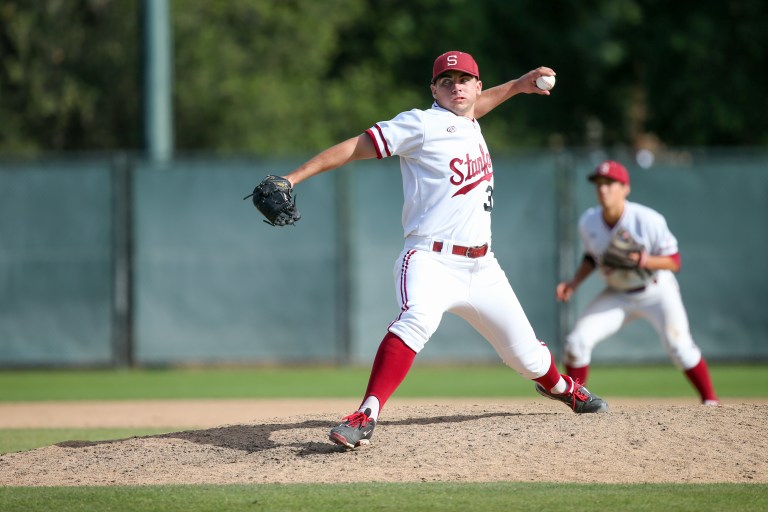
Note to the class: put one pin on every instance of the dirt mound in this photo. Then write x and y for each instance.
(431, 441)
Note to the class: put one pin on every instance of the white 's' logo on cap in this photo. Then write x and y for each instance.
(604, 169)
(452, 60)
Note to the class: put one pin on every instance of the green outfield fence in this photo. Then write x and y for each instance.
(112, 260)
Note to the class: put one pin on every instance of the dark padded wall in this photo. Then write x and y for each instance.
(213, 284)
(55, 263)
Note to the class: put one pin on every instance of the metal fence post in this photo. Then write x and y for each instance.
(158, 80)
(122, 261)
(344, 269)
(567, 242)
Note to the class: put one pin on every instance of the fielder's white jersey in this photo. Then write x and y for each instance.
(645, 225)
(447, 174)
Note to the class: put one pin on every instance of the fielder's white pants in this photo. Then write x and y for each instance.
(429, 284)
(660, 304)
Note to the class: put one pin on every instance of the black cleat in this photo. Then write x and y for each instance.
(355, 430)
(577, 397)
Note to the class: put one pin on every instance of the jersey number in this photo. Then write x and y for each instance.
(489, 205)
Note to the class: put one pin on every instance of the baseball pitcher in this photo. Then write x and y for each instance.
(447, 263)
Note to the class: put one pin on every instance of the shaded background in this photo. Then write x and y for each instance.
(117, 251)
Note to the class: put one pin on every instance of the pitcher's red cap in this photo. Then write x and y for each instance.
(611, 170)
(455, 60)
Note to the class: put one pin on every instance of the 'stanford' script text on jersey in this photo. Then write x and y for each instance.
(447, 173)
(468, 168)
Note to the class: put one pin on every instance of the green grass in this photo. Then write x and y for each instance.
(742, 381)
(428, 497)
(731, 381)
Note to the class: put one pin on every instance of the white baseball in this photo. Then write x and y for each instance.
(545, 83)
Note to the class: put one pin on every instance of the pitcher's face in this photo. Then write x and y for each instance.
(457, 91)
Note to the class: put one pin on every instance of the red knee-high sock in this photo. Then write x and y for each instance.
(390, 366)
(699, 377)
(551, 378)
(579, 374)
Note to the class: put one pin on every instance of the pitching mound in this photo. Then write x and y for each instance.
(451, 441)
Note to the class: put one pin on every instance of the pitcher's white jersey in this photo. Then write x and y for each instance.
(447, 173)
(447, 187)
(647, 226)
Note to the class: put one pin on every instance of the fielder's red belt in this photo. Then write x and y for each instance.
(460, 250)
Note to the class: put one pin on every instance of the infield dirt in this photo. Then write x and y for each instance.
(270, 441)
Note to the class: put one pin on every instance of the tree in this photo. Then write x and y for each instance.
(281, 77)
(68, 75)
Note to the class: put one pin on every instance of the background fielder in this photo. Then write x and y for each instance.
(645, 287)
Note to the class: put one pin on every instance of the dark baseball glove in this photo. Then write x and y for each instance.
(617, 255)
(273, 197)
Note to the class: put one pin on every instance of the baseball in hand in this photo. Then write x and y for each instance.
(545, 83)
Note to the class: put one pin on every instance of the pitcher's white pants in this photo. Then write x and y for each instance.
(430, 283)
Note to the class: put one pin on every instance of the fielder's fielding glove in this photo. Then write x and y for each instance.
(617, 255)
(273, 197)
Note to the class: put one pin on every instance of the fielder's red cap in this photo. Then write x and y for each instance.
(611, 170)
(455, 60)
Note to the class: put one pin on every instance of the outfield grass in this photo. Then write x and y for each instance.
(427, 497)
(742, 381)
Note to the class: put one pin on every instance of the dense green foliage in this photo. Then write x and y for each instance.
(69, 75)
(489, 497)
(282, 76)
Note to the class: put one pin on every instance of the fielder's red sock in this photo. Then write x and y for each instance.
(390, 366)
(699, 377)
(551, 378)
(579, 374)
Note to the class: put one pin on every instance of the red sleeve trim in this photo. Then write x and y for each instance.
(383, 140)
(676, 258)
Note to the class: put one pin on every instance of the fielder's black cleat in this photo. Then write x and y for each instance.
(355, 430)
(577, 397)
